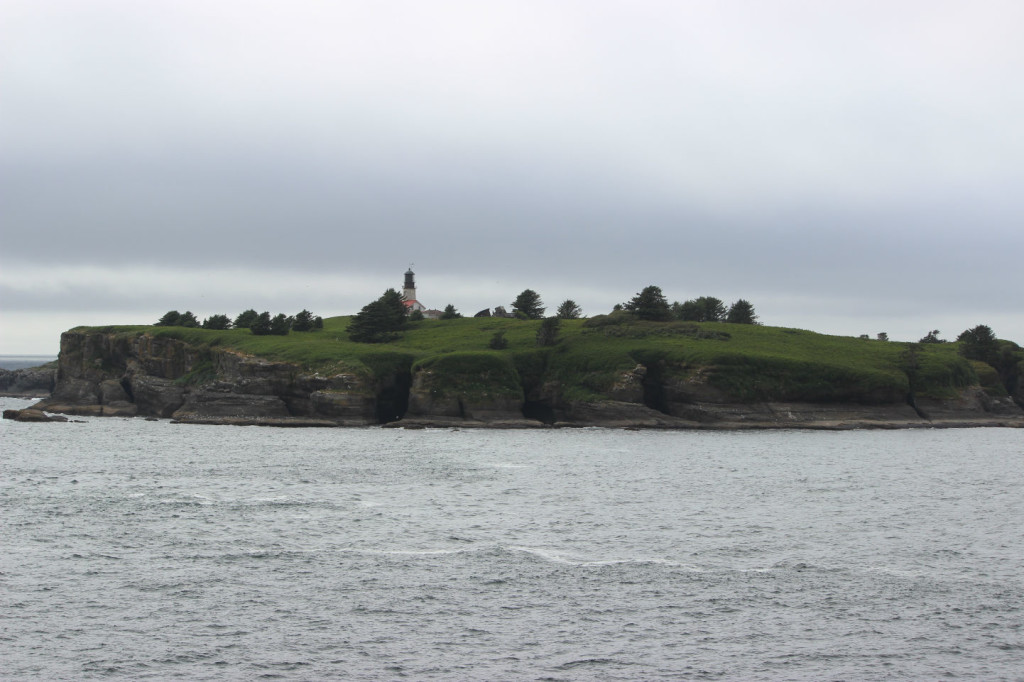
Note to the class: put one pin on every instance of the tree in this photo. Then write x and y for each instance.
(245, 319)
(379, 321)
(304, 321)
(188, 319)
(932, 337)
(450, 313)
(882, 336)
(703, 309)
(170, 319)
(569, 310)
(281, 324)
(394, 304)
(1010, 366)
(547, 335)
(261, 325)
(979, 343)
(741, 312)
(650, 304)
(218, 322)
(528, 305)
(1006, 357)
(416, 316)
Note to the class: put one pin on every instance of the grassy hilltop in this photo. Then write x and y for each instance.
(743, 362)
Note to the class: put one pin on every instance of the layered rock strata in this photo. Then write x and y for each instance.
(127, 375)
(115, 375)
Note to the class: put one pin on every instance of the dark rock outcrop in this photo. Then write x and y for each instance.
(126, 375)
(33, 382)
(32, 415)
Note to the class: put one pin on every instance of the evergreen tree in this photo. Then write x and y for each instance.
(188, 319)
(261, 325)
(528, 305)
(703, 309)
(170, 319)
(245, 319)
(281, 324)
(304, 321)
(569, 310)
(394, 304)
(650, 304)
(1006, 357)
(932, 337)
(379, 321)
(450, 313)
(218, 322)
(979, 343)
(741, 312)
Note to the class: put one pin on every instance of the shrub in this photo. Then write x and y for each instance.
(547, 335)
(498, 341)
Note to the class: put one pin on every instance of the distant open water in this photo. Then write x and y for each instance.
(148, 550)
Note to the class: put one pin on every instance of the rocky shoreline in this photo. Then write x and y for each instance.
(102, 374)
(33, 382)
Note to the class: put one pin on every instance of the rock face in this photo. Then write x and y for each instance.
(102, 374)
(119, 375)
(35, 382)
(32, 415)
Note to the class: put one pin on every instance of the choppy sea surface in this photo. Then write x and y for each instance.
(148, 550)
(24, 361)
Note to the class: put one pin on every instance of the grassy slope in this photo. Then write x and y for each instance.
(748, 362)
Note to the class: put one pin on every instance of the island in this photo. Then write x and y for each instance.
(611, 370)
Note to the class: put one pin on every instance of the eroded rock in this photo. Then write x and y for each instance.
(32, 415)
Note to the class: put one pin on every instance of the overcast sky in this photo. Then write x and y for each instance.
(847, 166)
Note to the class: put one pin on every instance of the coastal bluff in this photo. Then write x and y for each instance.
(121, 374)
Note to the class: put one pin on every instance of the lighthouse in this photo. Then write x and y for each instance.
(409, 292)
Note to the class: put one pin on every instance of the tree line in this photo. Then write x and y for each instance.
(383, 320)
(260, 324)
(650, 304)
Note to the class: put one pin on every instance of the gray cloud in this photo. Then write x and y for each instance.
(859, 153)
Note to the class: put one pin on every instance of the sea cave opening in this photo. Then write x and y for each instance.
(654, 389)
(393, 397)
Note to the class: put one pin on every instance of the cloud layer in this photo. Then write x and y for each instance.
(849, 166)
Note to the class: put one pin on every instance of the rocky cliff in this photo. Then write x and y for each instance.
(126, 375)
(34, 382)
(138, 374)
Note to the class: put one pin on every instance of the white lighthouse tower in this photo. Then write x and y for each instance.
(409, 292)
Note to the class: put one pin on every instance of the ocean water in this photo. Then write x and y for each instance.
(24, 361)
(132, 549)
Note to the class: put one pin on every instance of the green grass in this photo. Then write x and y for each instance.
(747, 362)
